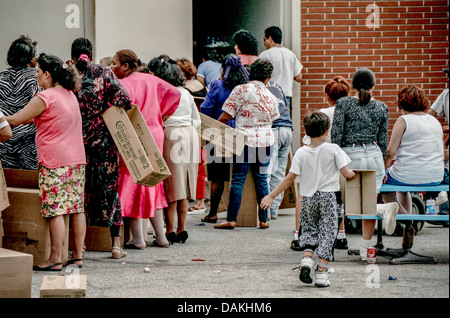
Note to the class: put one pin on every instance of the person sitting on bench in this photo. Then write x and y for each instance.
(417, 145)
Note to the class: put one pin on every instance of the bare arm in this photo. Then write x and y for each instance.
(35, 107)
(266, 202)
(348, 173)
(396, 139)
(298, 78)
(224, 118)
(5, 132)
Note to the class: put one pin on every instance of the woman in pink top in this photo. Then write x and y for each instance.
(157, 100)
(246, 46)
(61, 156)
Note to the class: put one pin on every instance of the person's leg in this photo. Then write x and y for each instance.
(170, 214)
(158, 226)
(79, 234)
(216, 195)
(136, 231)
(280, 156)
(182, 215)
(259, 171)
(57, 232)
(116, 251)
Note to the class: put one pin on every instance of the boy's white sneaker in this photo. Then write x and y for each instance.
(321, 278)
(389, 214)
(306, 267)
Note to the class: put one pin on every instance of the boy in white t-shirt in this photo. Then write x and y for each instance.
(316, 167)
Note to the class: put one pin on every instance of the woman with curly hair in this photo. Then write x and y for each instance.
(246, 46)
(417, 144)
(181, 144)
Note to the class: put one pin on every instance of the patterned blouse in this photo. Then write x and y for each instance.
(255, 109)
(356, 124)
(100, 90)
(18, 85)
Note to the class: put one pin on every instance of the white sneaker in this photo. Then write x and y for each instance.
(389, 214)
(306, 267)
(321, 279)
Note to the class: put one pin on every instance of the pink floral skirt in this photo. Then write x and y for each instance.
(61, 190)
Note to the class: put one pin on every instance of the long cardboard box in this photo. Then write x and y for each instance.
(63, 286)
(360, 194)
(15, 274)
(221, 135)
(136, 145)
(25, 230)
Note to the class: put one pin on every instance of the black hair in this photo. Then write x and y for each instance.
(60, 72)
(364, 80)
(236, 75)
(167, 69)
(21, 51)
(81, 46)
(261, 70)
(246, 42)
(316, 124)
(275, 33)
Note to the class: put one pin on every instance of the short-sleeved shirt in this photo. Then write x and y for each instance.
(210, 71)
(317, 169)
(286, 66)
(285, 117)
(440, 106)
(255, 109)
(59, 130)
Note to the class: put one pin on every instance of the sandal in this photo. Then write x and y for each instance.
(72, 262)
(121, 253)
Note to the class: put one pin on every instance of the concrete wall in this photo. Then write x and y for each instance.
(149, 28)
(54, 24)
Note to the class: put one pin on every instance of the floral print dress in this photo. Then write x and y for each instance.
(100, 90)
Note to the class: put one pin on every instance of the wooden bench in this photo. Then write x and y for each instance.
(404, 255)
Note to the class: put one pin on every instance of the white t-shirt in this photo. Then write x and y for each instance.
(286, 66)
(186, 114)
(317, 169)
(440, 106)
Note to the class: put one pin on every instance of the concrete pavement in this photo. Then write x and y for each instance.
(257, 264)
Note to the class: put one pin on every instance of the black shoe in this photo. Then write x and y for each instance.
(171, 237)
(181, 237)
(341, 244)
(295, 245)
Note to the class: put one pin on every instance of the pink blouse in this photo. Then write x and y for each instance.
(59, 134)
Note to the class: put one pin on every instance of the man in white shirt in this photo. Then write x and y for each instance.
(286, 66)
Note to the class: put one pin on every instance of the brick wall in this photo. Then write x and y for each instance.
(409, 47)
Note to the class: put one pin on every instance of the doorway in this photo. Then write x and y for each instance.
(215, 24)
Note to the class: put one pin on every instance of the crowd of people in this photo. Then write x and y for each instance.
(51, 121)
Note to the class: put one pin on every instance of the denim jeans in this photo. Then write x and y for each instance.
(367, 157)
(257, 161)
(278, 163)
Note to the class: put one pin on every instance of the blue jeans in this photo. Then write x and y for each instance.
(278, 163)
(257, 160)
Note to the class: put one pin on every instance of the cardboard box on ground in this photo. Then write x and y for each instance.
(4, 201)
(15, 274)
(360, 194)
(25, 230)
(63, 286)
